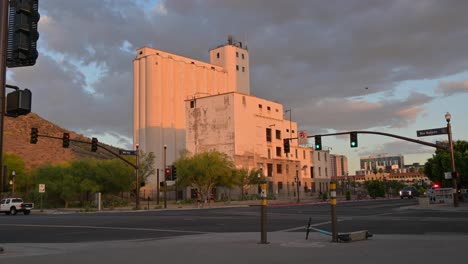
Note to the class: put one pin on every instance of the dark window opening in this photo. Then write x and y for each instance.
(268, 134)
(192, 104)
(270, 170)
(279, 168)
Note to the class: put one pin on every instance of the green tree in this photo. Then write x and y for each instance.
(115, 176)
(375, 188)
(15, 163)
(244, 178)
(440, 163)
(204, 171)
(146, 165)
(59, 183)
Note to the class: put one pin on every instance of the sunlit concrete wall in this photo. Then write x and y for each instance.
(162, 81)
(250, 130)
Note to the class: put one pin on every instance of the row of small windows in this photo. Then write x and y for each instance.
(278, 134)
(237, 55)
(260, 106)
(237, 68)
(242, 55)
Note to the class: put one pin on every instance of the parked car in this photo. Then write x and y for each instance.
(409, 192)
(14, 205)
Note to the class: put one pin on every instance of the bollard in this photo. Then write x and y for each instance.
(333, 212)
(263, 215)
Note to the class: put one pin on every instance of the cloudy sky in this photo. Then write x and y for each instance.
(376, 65)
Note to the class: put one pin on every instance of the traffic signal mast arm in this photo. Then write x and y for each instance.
(100, 145)
(380, 133)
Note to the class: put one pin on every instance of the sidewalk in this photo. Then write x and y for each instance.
(235, 248)
(171, 205)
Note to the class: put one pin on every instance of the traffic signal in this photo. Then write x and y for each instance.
(286, 146)
(22, 33)
(94, 144)
(353, 140)
(66, 140)
(318, 143)
(34, 135)
(173, 173)
(167, 173)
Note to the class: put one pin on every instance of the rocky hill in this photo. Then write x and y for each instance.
(47, 150)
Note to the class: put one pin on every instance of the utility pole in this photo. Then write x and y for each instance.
(297, 182)
(3, 45)
(137, 188)
(157, 186)
(165, 182)
(448, 117)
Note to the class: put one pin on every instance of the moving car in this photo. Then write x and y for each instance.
(409, 192)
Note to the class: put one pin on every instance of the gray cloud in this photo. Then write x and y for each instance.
(350, 114)
(312, 56)
(398, 148)
(449, 88)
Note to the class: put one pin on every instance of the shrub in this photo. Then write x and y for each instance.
(325, 196)
(348, 195)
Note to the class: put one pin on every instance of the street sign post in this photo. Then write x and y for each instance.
(42, 188)
(303, 138)
(432, 132)
(41, 191)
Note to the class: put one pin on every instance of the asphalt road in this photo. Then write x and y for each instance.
(379, 217)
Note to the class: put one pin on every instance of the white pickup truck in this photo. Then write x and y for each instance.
(15, 205)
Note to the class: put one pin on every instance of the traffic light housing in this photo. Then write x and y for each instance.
(353, 140)
(66, 140)
(286, 146)
(94, 144)
(34, 135)
(22, 33)
(318, 143)
(167, 174)
(173, 173)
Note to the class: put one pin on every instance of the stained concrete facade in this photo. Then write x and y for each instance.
(162, 83)
(322, 170)
(339, 165)
(250, 130)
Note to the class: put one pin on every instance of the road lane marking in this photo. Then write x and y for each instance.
(107, 228)
(304, 227)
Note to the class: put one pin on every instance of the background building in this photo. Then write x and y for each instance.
(322, 170)
(381, 161)
(339, 165)
(162, 83)
(250, 130)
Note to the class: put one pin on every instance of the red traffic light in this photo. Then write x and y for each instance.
(168, 171)
(435, 186)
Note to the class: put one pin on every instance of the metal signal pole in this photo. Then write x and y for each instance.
(3, 48)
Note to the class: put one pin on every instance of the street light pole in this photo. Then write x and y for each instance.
(448, 117)
(165, 183)
(137, 188)
(157, 186)
(3, 55)
(297, 182)
(263, 208)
